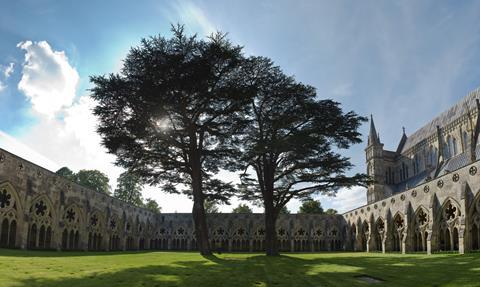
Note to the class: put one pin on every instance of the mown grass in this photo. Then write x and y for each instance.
(37, 268)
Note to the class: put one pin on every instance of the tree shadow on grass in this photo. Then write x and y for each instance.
(294, 270)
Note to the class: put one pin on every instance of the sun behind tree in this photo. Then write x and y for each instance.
(173, 114)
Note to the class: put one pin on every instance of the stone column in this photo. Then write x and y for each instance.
(106, 241)
(24, 228)
(429, 242)
(383, 237)
(23, 235)
(461, 239)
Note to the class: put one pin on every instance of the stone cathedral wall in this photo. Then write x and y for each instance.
(40, 210)
(442, 214)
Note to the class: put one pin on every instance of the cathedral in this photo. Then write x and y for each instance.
(424, 197)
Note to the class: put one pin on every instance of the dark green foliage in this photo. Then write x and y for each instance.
(311, 206)
(291, 143)
(173, 113)
(66, 173)
(129, 189)
(331, 211)
(242, 208)
(210, 206)
(284, 210)
(152, 205)
(93, 179)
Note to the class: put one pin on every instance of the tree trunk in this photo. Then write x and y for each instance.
(198, 211)
(201, 227)
(271, 245)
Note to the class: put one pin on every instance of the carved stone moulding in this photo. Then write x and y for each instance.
(455, 177)
(426, 189)
(472, 170)
(440, 183)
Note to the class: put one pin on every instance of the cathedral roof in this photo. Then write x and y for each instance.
(459, 109)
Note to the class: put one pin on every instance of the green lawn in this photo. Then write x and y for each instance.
(37, 268)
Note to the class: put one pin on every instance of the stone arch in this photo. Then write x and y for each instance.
(333, 239)
(319, 240)
(474, 223)
(141, 233)
(397, 230)
(73, 221)
(42, 218)
(16, 203)
(10, 207)
(419, 229)
(301, 239)
(220, 236)
(113, 226)
(353, 236)
(448, 224)
(379, 233)
(96, 226)
(179, 237)
(258, 238)
(129, 230)
(364, 235)
(239, 238)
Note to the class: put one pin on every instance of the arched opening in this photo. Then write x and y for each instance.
(455, 239)
(396, 241)
(12, 234)
(41, 237)
(71, 239)
(76, 240)
(90, 241)
(442, 240)
(64, 239)
(32, 237)
(48, 237)
(475, 236)
(4, 233)
(363, 236)
(378, 242)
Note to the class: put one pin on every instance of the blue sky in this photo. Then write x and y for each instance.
(402, 61)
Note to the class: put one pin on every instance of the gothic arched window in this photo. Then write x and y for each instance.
(454, 147)
(447, 147)
(465, 141)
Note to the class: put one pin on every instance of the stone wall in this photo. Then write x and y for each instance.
(440, 215)
(40, 210)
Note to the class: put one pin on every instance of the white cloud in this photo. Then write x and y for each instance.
(192, 16)
(2, 86)
(346, 199)
(47, 80)
(342, 90)
(8, 70)
(71, 140)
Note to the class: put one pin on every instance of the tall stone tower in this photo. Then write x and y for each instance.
(375, 165)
